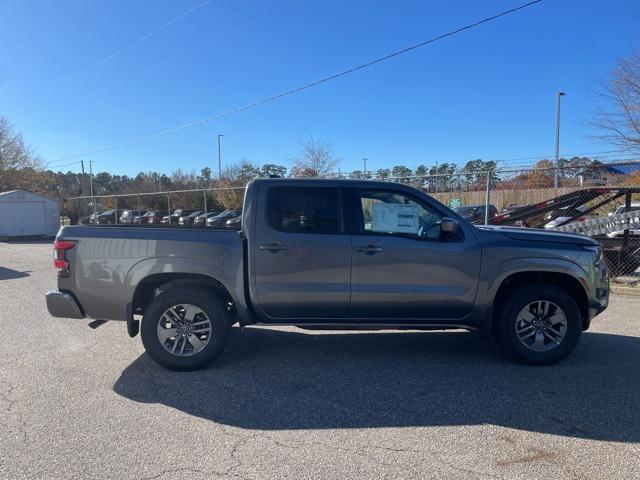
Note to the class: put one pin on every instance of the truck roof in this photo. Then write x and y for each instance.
(330, 182)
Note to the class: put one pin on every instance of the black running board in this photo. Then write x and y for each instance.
(96, 323)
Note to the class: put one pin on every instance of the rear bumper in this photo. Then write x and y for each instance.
(62, 304)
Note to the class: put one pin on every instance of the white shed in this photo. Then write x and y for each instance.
(25, 213)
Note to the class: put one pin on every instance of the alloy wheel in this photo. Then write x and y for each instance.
(184, 330)
(541, 326)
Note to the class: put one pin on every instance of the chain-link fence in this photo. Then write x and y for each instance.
(602, 201)
(217, 207)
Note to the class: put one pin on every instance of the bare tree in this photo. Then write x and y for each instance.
(19, 166)
(14, 153)
(316, 159)
(620, 122)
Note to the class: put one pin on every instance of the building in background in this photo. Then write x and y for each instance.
(24, 213)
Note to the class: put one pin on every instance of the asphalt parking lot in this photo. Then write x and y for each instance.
(288, 403)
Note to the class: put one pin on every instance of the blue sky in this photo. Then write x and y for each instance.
(486, 93)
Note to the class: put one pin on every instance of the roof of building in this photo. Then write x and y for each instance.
(26, 192)
(623, 168)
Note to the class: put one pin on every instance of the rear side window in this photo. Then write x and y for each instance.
(303, 210)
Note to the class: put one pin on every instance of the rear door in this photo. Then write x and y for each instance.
(302, 257)
(403, 266)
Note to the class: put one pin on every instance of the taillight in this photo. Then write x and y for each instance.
(60, 261)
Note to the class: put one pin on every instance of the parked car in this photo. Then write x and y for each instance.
(130, 216)
(106, 218)
(154, 217)
(173, 218)
(475, 213)
(201, 219)
(188, 219)
(220, 219)
(142, 219)
(89, 219)
(306, 259)
(235, 222)
(564, 214)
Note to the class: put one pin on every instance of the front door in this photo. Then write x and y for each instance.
(302, 257)
(403, 266)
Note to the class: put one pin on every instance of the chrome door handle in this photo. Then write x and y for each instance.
(371, 249)
(272, 247)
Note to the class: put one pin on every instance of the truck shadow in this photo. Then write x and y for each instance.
(32, 239)
(10, 274)
(276, 379)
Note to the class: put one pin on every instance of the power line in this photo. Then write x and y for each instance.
(143, 38)
(141, 58)
(122, 50)
(303, 87)
(203, 45)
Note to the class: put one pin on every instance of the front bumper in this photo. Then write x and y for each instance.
(600, 300)
(62, 304)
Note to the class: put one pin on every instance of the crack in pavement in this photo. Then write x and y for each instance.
(5, 398)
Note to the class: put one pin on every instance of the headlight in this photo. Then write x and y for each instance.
(597, 249)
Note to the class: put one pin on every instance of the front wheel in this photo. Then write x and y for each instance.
(185, 328)
(539, 324)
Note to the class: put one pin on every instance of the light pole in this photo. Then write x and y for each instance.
(219, 161)
(555, 170)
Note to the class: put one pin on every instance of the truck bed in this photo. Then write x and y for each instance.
(108, 263)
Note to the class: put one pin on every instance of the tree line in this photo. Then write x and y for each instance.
(20, 168)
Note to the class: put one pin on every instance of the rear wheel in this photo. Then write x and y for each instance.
(539, 324)
(185, 329)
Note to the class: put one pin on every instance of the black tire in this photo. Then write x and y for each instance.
(210, 304)
(507, 318)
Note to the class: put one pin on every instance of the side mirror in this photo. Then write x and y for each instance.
(449, 226)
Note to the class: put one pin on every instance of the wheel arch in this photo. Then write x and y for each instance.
(562, 280)
(155, 284)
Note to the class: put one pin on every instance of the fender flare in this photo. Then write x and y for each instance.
(492, 281)
(178, 265)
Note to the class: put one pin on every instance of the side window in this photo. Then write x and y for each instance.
(392, 213)
(303, 210)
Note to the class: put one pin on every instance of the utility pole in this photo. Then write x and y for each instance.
(93, 199)
(555, 170)
(219, 161)
(83, 190)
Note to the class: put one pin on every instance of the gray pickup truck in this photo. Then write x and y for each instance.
(332, 254)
